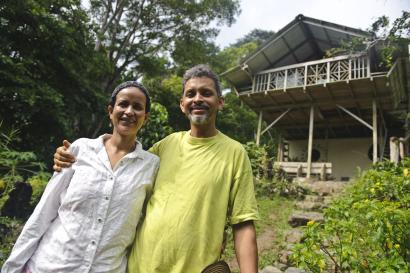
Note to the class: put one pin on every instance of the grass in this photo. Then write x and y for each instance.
(274, 214)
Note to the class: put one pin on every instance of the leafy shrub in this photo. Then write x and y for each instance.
(258, 157)
(9, 230)
(367, 229)
(38, 183)
(279, 186)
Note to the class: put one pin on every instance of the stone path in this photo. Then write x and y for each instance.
(265, 242)
(322, 193)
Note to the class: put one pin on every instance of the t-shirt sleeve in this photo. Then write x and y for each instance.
(155, 148)
(242, 199)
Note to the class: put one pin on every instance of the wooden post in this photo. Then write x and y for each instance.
(280, 149)
(258, 133)
(374, 132)
(310, 143)
(401, 149)
(394, 150)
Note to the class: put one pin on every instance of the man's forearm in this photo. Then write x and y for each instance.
(245, 247)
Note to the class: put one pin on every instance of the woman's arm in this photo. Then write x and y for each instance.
(38, 223)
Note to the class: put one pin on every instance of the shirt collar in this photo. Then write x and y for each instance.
(98, 143)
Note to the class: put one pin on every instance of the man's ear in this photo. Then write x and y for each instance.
(181, 105)
(109, 109)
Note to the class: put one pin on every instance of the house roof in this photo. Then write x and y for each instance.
(302, 40)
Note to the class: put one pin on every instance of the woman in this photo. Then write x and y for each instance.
(88, 213)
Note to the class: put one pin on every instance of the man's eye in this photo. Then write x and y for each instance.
(190, 94)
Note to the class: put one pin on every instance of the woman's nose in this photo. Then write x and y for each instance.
(128, 110)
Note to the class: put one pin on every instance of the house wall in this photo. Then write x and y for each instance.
(344, 154)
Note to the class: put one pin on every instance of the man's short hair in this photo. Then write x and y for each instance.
(201, 70)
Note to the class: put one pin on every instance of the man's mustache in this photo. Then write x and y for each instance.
(199, 107)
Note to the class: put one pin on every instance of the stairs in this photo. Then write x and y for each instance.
(309, 209)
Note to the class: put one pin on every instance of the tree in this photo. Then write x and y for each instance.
(131, 31)
(48, 72)
(237, 120)
(390, 39)
(258, 36)
(157, 126)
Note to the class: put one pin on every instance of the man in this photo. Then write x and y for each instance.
(204, 181)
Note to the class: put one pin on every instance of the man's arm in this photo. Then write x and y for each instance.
(62, 157)
(246, 247)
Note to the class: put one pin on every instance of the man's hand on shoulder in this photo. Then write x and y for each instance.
(62, 157)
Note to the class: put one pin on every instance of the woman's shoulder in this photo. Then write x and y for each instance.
(150, 156)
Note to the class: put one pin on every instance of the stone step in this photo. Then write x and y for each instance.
(308, 205)
(284, 256)
(325, 188)
(300, 218)
(271, 269)
(314, 198)
(294, 270)
(294, 236)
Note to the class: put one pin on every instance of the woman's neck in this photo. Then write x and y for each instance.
(118, 146)
(121, 143)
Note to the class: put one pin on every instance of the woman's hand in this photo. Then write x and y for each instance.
(62, 157)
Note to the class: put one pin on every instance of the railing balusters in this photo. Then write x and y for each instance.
(311, 73)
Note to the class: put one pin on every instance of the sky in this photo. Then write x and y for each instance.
(275, 14)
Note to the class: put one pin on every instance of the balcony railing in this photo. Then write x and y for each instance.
(311, 73)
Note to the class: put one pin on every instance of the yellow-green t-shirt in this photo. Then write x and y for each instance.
(201, 183)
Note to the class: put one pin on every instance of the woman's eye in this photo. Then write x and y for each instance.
(138, 107)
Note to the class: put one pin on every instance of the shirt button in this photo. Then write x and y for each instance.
(99, 220)
(93, 242)
(107, 198)
(111, 177)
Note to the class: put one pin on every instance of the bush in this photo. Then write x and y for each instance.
(279, 186)
(38, 183)
(258, 157)
(9, 230)
(367, 229)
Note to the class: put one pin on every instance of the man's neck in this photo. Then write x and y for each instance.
(203, 131)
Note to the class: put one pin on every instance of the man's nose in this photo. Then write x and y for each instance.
(198, 98)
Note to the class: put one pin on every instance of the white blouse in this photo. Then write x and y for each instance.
(88, 213)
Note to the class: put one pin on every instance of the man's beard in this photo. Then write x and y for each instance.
(198, 119)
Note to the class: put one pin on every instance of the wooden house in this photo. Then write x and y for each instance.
(335, 115)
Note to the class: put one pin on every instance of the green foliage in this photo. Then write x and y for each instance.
(279, 185)
(258, 36)
(9, 230)
(390, 41)
(136, 35)
(157, 127)
(258, 157)
(167, 91)
(38, 183)
(49, 72)
(367, 229)
(230, 56)
(16, 166)
(233, 114)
